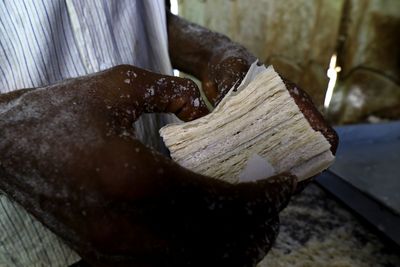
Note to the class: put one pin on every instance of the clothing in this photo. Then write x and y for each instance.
(45, 41)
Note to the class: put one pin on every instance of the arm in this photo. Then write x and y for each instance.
(211, 57)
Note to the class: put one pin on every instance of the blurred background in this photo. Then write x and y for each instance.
(358, 40)
(346, 55)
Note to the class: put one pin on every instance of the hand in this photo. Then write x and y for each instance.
(68, 155)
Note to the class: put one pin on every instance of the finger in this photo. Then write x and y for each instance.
(216, 89)
(128, 87)
(173, 95)
(222, 77)
(272, 194)
(315, 118)
(184, 99)
(264, 198)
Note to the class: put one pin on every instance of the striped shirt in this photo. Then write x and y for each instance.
(45, 41)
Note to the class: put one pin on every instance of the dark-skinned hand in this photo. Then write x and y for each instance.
(68, 155)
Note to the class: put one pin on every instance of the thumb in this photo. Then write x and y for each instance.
(146, 91)
(265, 198)
(272, 194)
(175, 95)
(184, 99)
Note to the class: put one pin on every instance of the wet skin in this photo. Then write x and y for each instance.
(70, 157)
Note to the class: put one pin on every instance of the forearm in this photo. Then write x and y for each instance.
(192, 47)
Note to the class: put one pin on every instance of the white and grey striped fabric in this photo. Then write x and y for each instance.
(45, 41)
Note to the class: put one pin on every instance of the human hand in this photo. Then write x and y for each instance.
(69, 155)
